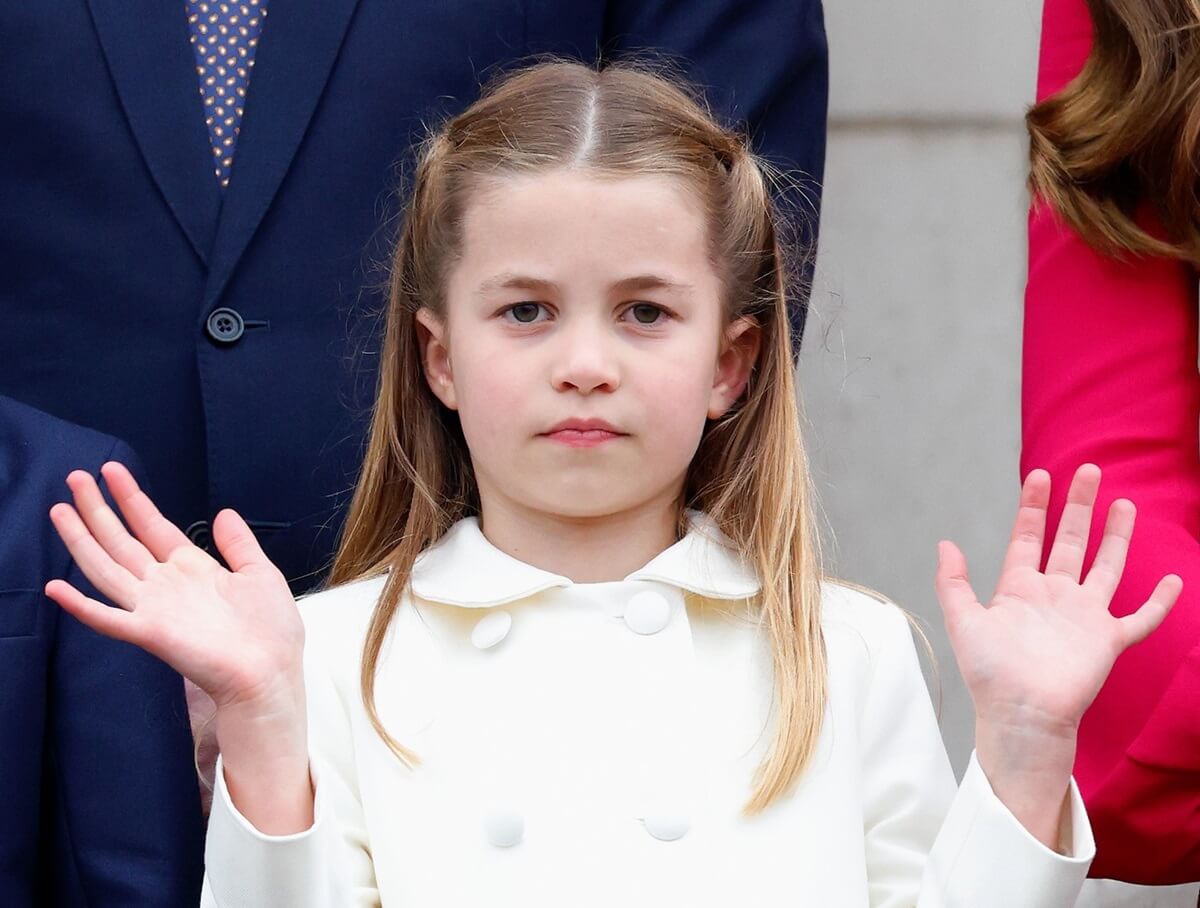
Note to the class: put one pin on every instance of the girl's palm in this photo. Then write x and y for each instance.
(234, 633)
(1048, 641)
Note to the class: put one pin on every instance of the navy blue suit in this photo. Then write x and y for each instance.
(98, 797)
(117, 248)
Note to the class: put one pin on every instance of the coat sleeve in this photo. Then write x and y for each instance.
(764, 63)
(1109, 375)
(328, 865)
(927, 845)
(118, 737)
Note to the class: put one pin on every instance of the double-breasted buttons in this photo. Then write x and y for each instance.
(503, 827)
(225, 326)
(491, 629)
(647, 612)
(506, 828)
(667, 827)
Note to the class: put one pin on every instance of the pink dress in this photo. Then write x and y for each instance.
(1110, 376)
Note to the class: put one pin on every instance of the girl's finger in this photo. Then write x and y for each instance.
(1106, 570)
(1070, 542)
(112, 622)
(1029, 528)
(159, 535)
(1141, 624)
(236, 541)
(953, 584)
(110, 578)
(106, 527)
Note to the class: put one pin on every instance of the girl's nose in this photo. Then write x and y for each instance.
(586, 364)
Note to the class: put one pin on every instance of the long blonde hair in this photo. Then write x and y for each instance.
(750, 472)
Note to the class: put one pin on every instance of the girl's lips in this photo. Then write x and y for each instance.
(582, 438)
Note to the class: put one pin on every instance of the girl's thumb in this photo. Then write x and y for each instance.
(235, 541)
(952, 582)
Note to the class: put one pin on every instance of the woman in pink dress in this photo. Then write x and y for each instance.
(1110, 376)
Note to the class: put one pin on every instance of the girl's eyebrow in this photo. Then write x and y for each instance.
(650, 282)
(508, 280)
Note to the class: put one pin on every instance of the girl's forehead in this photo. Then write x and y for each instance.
(576, 217)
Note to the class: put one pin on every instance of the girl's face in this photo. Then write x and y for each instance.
(584, 342)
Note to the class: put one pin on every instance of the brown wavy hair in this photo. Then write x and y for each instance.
(750, 472)
(1125, 132)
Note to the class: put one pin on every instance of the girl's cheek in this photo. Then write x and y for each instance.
(677, 408)
(491, 376)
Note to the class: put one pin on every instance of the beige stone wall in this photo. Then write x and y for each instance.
(911, 361)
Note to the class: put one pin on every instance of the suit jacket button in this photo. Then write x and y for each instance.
(225, 326)
(200, 534)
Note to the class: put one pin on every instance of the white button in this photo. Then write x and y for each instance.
(667, 827)
(647, 612)
(491, 629)
(504, 828)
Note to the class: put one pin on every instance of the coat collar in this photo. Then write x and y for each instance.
(464, 568)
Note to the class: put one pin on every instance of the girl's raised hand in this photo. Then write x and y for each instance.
(1045, 645)
(1035, 659)
(235, 633)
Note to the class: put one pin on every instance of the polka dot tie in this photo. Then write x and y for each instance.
(224, 36)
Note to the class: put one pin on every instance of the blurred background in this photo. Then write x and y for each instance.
(910, 369)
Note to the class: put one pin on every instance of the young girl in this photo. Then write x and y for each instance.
(577, 648)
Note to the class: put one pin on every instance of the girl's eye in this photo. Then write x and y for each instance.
(646, 313)
(524, 313)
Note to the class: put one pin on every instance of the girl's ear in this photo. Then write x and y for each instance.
(739, 353)
(435, 356)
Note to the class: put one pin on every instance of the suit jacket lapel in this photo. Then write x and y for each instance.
(295, 56)
(152, 64)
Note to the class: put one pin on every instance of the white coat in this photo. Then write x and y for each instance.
(599, 751)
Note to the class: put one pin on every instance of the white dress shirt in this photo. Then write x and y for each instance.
(592, 744)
